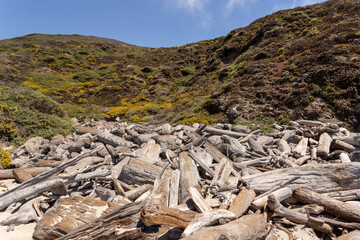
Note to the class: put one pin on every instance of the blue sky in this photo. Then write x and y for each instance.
(152, 23)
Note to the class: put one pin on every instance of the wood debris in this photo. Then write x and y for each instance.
(136, 181)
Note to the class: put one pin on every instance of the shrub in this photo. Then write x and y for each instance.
(5, 159)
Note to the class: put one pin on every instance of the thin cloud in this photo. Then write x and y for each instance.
(231, 4)
(295, 3)
(192, 5)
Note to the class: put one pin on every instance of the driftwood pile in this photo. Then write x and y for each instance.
(113, 180)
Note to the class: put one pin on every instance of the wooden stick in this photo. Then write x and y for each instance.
(220, 132)
(335, 207)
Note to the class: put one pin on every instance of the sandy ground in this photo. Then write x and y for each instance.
(21, 232)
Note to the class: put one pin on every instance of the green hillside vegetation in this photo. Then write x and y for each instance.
(299, 63)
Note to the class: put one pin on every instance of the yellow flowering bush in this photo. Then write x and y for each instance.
(5, 159)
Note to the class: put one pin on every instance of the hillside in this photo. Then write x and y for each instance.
(298, 63)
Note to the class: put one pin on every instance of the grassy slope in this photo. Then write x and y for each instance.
(296, 63)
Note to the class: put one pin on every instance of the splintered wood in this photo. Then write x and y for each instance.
(113, 180)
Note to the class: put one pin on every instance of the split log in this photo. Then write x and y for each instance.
(208, 219)
(324, 145)
(160, 193)
(301, 148)
(189, 177)
(199, 201)
(201, 163)
(331, 176)
(33, 171)
(174, 188)
(222, 171)
(50, 173)
(215, 131)
(335, 207)
(21, 175)
(257, 224)
(139, 172)
(159, 214)
(242, 202)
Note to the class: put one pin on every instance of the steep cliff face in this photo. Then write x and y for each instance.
(303, 62)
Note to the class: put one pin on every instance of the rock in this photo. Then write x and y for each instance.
(354, 235)
(32, 146)
(58, 188)
(241, 129)
(70, 213)
(57, 140)
(355, 156)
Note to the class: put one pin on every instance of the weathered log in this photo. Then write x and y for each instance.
(159, 214)
(48, 163)
(222, 171)
(189, 176)
(199, 201)
(344, 157)
(297, 217)
(149, 152)
(343, 196)
(113, 140)
(136, 193)
(281, 194)
(139, 172)
(338, 144)
(235, 146)
(350, 236)
(331, 176)
(257, 162)
(283, 146)
(33, 171)
(257, 224)
(24, 215)
(160, 193)
(174, 188)
(302, 160)
(333, 206)
(301, 148)
(313, 153)
(46, 175)
(215, 131)
(256, 146)
(207, 219)
(84, 130)
(201, 163)
(311, 123)
(324, 145)
(242, 202)
(21, 175)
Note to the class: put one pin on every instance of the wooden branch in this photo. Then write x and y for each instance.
(199, 201)
(159, 214)
(242, 202)
(338, 144)
(113, 140)
(207, 219)
(331, 176)
(50, 173)
(335, 207)
(137, 192)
